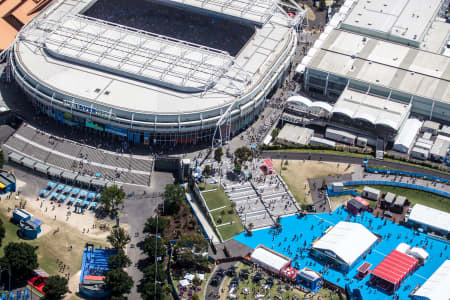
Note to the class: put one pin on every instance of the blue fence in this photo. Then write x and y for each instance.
(399, 184)
(16, 295)
(342, 193)
(404, 173)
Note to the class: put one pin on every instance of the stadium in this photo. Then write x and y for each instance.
(156, 72)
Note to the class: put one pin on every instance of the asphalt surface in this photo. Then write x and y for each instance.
(136, 211)
(347, 159)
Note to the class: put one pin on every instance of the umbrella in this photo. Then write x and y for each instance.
(60, 187)
(71, 199)
(86, 203)
(55, 195)
(94, 204)
(50, 184)
(78, 201)
(83, 193)
(91, 195)
(97, 175)
(67, 189)
(62, 197)
(75, 191)
(98, 196)
(42, 192)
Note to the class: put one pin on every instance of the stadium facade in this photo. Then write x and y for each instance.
(148, 88)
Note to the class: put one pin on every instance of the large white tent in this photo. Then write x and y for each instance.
(437, 286)
(347, 241)
(269, 259)
(407, 135)
(430, 218)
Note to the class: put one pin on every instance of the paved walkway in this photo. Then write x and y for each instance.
(203, 220)
(92, 163)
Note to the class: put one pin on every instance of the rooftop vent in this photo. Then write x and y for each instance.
(97, 90)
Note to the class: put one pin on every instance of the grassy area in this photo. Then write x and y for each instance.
(206, 187)
(415, 196)
(228, 231)
(216, 199)
(278, 288)
(51, 245)
(297, 173)
(337, 201)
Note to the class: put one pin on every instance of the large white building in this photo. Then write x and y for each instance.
(382, 60)
(147, 87)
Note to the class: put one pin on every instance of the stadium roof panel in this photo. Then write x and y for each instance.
(138, 55)
(256, 11)
(386, 64)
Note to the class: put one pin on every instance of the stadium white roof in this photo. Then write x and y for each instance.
(371, 108)
(136, 54)
(257, 11)
(269, 258)
(303, 101)
(385, 64)
(407, 134)
(348, 241)
(107, 90)
(394, 20)
(430, 217)
(437, 286)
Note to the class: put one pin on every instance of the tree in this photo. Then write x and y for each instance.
(112, 197)
(149, 272)
(241, 155)
(118, 282)
(207, 170)
(196, 297)
(218, 153)
(275, 132)
(21, 258)
(148, 290)
(152, 245)
(150, 225)
(173, 198)
(55, 288)
(118, 238)
(2, 232)
(119, 260)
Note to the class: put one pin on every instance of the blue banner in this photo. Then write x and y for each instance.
(137, 138)
(116, 131)
(130, 136)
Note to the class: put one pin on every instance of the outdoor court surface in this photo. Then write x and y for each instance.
(311, 227)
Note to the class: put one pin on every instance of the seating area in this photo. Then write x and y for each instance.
(80, 159)
(70, 195)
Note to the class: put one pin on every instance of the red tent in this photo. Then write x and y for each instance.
(268, 163)
(394, 268)
(362, 201)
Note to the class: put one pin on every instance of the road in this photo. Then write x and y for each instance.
(347, 159)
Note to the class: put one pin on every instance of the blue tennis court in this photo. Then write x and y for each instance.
(311, 227)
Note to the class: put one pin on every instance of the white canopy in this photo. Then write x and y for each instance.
(346, 240)
(431, 217)
(269, 259)
(407, 134)
(437, 286)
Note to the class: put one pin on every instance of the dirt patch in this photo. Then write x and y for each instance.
(297, 173)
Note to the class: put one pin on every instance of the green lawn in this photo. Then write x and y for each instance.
(415, 196)
(228, 231)
(216, 199)
(206, 187)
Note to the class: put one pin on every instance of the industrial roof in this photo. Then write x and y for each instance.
(106, 89)
(440, 146)
(270, 258)
(436, 287)
(295, 134)
(396, 20)
(373, 109)
(346, 240)
(395, 267)
(385, 64)
(429, 216)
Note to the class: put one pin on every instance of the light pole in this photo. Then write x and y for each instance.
(156, 252)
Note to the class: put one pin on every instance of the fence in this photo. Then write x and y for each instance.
(399, 184)
(404, 173)
(342, 193)
(198, 220)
